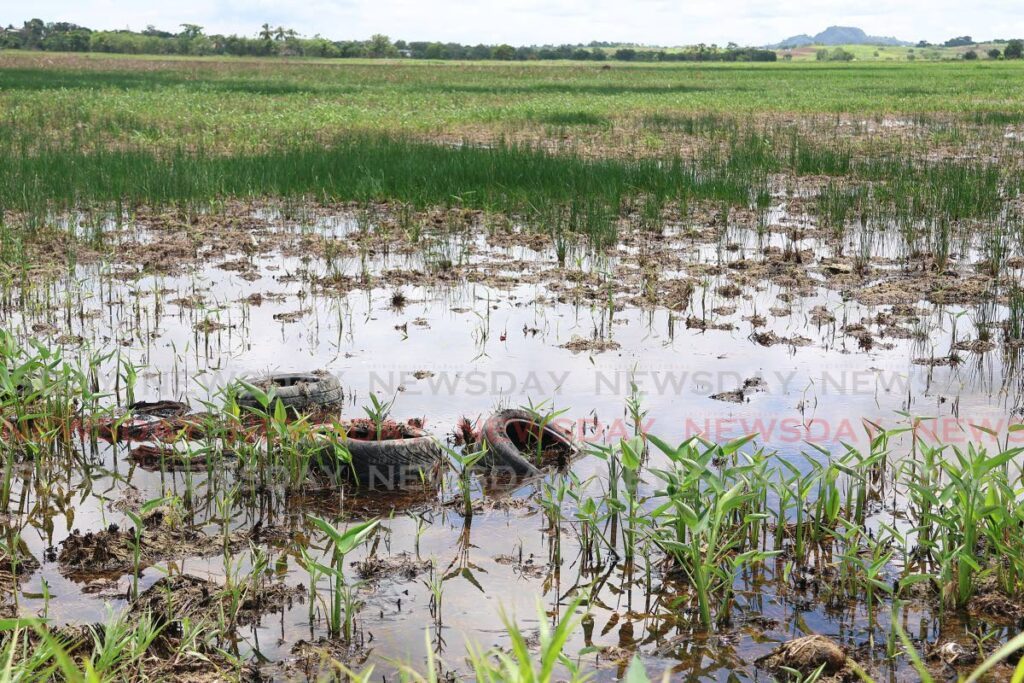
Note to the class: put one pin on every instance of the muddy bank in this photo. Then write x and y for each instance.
(174, 598)
(163, 536)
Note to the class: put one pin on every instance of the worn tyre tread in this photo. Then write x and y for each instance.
(502, 453)
(319, 391)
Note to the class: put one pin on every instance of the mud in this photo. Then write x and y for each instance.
(163, 536)
(182, 596)
(323, 659)
(806, 655)
(750, 386)
(401, 567)
(579, 345)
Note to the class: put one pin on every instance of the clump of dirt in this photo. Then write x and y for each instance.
(174, 598)
(865, 340)
(821, 316)
(951, 360)
(887, 292)
(695, 323)
(756, 320)
(771, 339)
(994, 603)
(750, 385)
(112, 550)
(806, 655)
(729, 291)
(318, 660)
(676, 294)
(402, 566)
(14, 568)
(20, 563)
(938, 288)
(525, 566)
(975, 345)
(209, 326)
(500, 504)
(579, 344)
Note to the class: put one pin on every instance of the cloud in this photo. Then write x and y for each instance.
(662, 22)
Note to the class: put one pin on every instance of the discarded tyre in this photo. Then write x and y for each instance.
(164, 410)
(517, 443)
(403, 457)
(298, 391)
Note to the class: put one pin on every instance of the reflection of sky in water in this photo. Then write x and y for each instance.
(489, 347)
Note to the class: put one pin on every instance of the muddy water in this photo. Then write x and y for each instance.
(478, 346)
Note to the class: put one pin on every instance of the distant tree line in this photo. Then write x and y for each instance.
(36, 34)
(1013, 49)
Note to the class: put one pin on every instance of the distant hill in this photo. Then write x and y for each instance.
(838, 35)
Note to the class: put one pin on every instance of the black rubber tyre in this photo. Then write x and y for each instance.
(298, 391)
(164, 410)
(389, 463)
(507, 434)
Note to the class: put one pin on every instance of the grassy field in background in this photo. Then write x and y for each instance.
(227, 104)
(894, 53)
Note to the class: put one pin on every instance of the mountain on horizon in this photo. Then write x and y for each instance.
(838, 35)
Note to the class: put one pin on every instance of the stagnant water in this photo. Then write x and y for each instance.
(483, 345)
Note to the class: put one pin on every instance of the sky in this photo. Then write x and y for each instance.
(529, 22)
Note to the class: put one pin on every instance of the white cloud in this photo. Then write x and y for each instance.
(548, 21)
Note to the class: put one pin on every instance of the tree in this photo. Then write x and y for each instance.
(994, 53)
(970, 55)
(266, 33)
(32, 33)
(191, 31)
(841, 55)
(505, 53)
(1014, 49)
(381, 46)
(959, 41)
(434, 51)
(625, 54)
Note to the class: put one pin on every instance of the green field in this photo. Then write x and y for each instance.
(228, 104)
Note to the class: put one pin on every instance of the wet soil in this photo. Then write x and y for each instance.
(162, 537)
(174, 598)
(776, 324)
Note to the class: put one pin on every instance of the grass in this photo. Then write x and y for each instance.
(239, 104)
(107, 135)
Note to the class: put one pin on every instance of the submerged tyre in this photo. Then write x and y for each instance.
(296, 390)
(512, 437)
(403, 457)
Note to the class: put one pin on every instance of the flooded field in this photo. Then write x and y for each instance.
(793, 399)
